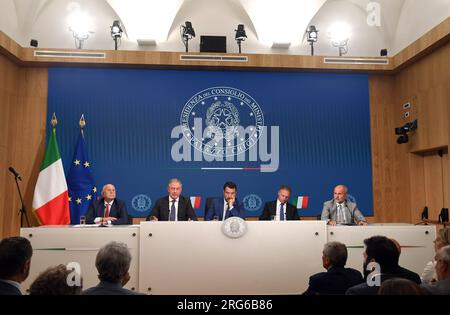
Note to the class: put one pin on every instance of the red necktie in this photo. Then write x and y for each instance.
(107, 210)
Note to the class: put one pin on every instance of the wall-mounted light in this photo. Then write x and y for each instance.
(116, 33)
(80, 25)
(339, 36)
(312, 35)
(187, 33)
(240, 35)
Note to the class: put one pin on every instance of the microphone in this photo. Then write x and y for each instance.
(17, 175)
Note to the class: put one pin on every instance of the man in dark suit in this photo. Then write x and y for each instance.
(384, 253)
(112, 263)
(15, 260)
(280, 209)
(107, 210)
(173, 207)
(337, 279)
(222, 208)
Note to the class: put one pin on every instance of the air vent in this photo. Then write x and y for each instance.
(213, 58)
(356, 61)
(69, 54)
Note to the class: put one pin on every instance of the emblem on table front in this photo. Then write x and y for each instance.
(234, 227)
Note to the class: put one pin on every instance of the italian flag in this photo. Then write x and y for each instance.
(195, 202)
(301, 202)
(51, 200)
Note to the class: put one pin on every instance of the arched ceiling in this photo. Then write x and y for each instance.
(267, 21)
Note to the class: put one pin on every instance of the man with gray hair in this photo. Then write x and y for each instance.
(340, 210)
(112, 263)
(337, 279)
(442, 286)
(107, 210)
(173, 207)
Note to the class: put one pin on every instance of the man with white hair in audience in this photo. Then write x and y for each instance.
(442, 286)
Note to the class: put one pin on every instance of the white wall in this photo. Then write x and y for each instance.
(417, 18)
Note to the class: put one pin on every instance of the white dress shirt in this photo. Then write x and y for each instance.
(99, 219)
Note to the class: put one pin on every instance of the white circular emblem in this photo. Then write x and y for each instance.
(222, 121)
(141, 203)
(234, 227)
(252, 202)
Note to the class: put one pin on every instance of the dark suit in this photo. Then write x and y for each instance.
(336, 280)
(161, 209)
(216, 206)
(8, 289)
(118, 210)
(270, 210)
(109, 288)
(364, 289)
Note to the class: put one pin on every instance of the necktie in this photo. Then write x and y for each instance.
(172, 211)
(227, 212)
(282, 212)
(107, 210)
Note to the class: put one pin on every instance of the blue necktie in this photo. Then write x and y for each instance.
(172, 211)
(281, 212)
(227, 212)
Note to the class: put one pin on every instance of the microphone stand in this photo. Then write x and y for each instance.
(22, 210)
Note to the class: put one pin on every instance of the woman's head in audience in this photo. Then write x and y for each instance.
(56, 280)
(442, 239)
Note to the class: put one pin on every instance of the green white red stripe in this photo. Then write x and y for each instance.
(51, 200)
(301, 202)
(195, 202)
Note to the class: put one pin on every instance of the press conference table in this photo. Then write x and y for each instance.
(193, 258)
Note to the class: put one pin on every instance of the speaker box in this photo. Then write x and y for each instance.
(383, 53)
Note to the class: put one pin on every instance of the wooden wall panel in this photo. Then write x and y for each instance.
(434, 192)
(415, 165)
(23, 99)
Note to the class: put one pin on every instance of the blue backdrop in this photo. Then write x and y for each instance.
(323, 119)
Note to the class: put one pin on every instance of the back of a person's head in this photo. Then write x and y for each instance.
(112, 262)
(384, 252)
(399, 286)
(54, 281)
(444, 235)
(14, 253)
(336, 253)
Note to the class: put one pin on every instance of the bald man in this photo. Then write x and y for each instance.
(341, 211)
(107, 210)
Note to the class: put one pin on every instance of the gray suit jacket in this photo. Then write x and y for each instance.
(108, 288)
(439, 288)
(353, 215)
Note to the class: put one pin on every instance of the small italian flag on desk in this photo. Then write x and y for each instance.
(195, 202)
(301, 202)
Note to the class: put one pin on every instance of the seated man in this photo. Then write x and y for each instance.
(53, 281)
(112, 263)
(339, 210)
(15, 260)
(382, 251)
(173, 207)
(107, 210)
(442, 286)
(222, 208)
(280, 209)
(337, 279)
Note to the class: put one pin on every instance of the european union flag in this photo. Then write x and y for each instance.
(81, 186)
